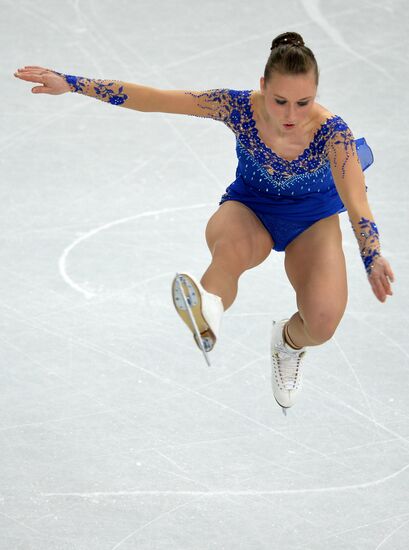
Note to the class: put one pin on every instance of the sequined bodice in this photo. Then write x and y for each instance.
(262, 168)
(243, 124)
(268, 173)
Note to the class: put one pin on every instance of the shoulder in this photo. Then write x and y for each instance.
(335, 135)
(230, 98)
(255, 101)
(332, 124)
(339, 145)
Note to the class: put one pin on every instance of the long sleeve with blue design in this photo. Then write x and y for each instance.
(350, 183)
(208, 104)
(327, 175)
(115, 92)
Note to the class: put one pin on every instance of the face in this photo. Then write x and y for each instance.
(289, 99)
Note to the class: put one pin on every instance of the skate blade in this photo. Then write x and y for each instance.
(187, 301)
(283, 409)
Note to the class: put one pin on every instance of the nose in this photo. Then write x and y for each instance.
(290, 111)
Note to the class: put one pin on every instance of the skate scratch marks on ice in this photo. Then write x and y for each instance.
(364, 395)
(312, 8)
(391, 534)
(118, 544)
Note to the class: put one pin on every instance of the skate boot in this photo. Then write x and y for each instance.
(285, 362)
(200, 310)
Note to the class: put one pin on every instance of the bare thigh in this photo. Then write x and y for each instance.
(315, 265)
(235, 232)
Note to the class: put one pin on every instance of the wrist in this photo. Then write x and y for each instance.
(70, 80)
(369, 261)
(105, 90)
(73, 82)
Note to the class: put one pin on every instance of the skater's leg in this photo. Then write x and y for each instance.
(237, 241)
(315, 265)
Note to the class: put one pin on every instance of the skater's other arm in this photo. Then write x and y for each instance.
(350, 183)
(208, 104)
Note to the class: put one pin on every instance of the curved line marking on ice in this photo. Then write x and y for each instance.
(62, 262)
(228, 492)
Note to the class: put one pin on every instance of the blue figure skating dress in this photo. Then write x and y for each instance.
(288, 196)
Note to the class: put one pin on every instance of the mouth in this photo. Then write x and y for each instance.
(288, 125)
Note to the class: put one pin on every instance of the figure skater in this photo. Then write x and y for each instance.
(299, 167)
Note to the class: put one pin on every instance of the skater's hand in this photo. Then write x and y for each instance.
(380, 278)
(52, 82)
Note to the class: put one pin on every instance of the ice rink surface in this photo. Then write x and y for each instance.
(113, 432)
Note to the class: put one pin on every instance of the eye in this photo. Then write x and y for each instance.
(283, 102)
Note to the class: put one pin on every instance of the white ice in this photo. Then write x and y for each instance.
(113, 431)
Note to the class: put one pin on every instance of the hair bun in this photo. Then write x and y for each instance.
(288, 39)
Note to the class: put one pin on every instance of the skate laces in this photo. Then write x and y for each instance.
(288, 364)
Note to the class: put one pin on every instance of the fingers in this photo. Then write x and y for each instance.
(386, 287)
(32, 67)
(31, 77)
(378, 290)
(390, 274)
(41, 90)
(386, 278)
(52, 83)
(380, 279)
(28, 72)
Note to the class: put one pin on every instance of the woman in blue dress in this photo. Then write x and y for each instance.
(299, 167)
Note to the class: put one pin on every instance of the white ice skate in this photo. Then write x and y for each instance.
(200, 310)
(286, 376)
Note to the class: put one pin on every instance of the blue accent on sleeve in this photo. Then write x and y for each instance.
(369, 245)
(107, 91)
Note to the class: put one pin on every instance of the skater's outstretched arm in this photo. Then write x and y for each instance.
(209, 104)
(350, 183)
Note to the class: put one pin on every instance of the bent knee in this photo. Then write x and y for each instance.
(237, 253)
(321, 326)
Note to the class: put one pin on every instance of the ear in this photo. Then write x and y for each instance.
(262, 84)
